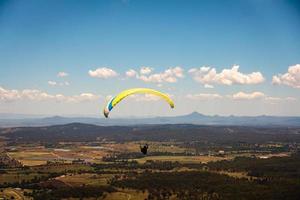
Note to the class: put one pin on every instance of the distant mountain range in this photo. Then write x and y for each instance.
(79, 132)
(193, 118)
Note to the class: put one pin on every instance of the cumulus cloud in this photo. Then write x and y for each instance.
(35, 95)
(7, 95)
(131, 73)
(146, 70)
(260, 96)
(52, 83)
(275, 100)
(59, 83)
(241, 96)
(62, 74)
(291, 78)
(103, 73)
(145, 74)
(208, 75)
(170, 75)
(204, 96)
(248, 96)
(84, 97)
(208, 86)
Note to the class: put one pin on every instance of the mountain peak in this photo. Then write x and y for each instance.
(196, 114)
(54, 117)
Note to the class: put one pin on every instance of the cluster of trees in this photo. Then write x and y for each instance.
(32, 183)
(132, 165)
(135, 155)
(177, 132)
(8, 162)
(275, 178)
(237, 146)
(274, 167)
(197, 185)
(72, 192)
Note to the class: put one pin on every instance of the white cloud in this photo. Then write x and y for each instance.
(62, 74)
(84, 97)
(52, 83)
(260, 96)
(248, 96)
(275, 100)
(208, 75)
(291, 78)
(170, 75)
(204, 96)
(66, 83)
(8, 95)
(131, 73)
(208, 86)
(37, 95)
(145, 70)
(241, 96)
(103, 73)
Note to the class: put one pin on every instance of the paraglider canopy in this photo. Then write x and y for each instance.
(114, 101)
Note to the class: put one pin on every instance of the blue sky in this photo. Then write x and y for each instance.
(39, 39)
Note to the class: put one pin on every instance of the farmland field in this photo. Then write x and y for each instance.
(183, 159)
(172, 169)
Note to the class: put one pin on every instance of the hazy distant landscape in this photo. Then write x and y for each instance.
(192, 118)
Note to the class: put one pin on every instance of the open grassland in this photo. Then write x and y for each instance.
(170, 147)
(122, 147)
(66, 153)
(86, 179)
(39, 155)
(32, 158)
(127, 194)
(91, 153)
(233, 174)
(12, 193)
(128, 147)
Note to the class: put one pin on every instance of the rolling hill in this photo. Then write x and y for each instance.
(193, 118)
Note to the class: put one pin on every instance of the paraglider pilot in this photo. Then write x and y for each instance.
(144, 149)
